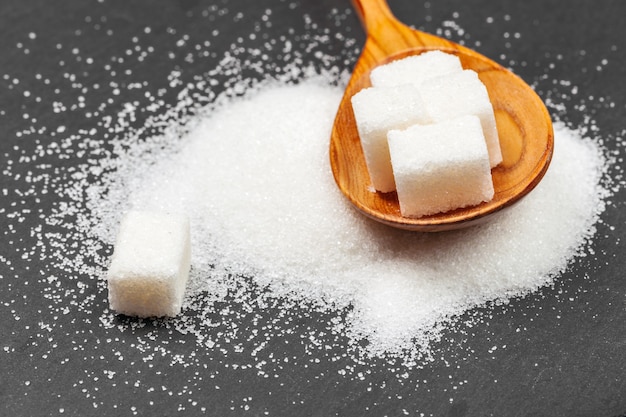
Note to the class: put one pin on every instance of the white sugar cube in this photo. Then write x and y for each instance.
(440, 167)
(415, 69)
(150, 264)
(459, 94)
(378, 110)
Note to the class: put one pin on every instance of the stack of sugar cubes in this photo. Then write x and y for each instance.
(428, 131)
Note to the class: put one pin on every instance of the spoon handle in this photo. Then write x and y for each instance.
(373, 13)
(386, 35)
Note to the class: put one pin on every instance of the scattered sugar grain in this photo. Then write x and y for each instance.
(254, 178)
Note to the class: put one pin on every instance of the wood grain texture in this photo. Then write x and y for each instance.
(523, 122)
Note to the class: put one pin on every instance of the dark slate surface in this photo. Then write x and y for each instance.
(570, 359)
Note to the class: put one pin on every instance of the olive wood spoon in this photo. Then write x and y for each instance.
(524, 126)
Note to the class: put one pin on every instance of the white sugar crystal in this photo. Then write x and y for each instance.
(415, 69)
(440, 167)
(150, 264)
(378, 110)
(454, 95)
(398, 302)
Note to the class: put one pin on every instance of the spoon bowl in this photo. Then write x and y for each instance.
(523, 123)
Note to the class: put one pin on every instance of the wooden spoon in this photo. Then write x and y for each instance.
(524, 126)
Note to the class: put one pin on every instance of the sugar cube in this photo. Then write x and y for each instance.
(378, 110)
(459, 94)
(440, 167)
(150, 264)
(415, 69)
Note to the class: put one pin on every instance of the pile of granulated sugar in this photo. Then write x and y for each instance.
(254, 177)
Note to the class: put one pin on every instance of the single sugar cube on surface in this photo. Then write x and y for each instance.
(440, 167)
(459, 94)
(150, 264)
(415, 69)
(378, 110)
